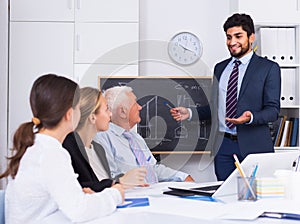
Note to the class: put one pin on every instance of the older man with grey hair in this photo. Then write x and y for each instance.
(126, 149)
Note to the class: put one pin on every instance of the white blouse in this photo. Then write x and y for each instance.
(96, 164)
(46, 184)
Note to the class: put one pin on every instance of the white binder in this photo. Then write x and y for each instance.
(268, 43)
(288, 87)
(291, 45)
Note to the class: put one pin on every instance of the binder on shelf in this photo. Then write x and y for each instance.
(278, 44)
(288, 87)
(281, 46)
(291, 45)
(274, 127)
(268, 43)
(280, 130)
(284, 134)
(289, 133)
(295, 130)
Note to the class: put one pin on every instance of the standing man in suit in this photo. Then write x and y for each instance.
(245, 97)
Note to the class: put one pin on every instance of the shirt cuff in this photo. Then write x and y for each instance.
(115, 193)
(251, 120)
(181, 175)
(191, 114)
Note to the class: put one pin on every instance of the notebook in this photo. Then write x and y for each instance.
(267, 164)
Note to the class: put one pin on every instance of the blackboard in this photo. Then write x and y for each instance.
(156, 95)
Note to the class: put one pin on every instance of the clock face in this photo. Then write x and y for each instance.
(185, 48)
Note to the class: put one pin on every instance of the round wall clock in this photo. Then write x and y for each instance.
(185, 48)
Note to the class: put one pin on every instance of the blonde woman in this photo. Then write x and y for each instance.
(88, 157)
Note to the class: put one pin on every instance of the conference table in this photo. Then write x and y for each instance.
(184, 210)
(172, 209)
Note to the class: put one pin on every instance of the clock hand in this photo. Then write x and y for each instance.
(186, 48)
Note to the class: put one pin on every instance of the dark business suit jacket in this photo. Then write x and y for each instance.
(260, 94)
(80, 163)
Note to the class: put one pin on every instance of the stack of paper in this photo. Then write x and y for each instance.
(269, 187)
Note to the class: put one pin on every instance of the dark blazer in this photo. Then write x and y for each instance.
(80, 163)
(260, 94)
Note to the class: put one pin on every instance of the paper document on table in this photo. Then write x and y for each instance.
(189, 208)
(252, 210)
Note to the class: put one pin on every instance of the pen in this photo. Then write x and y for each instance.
(297, 165)
(242, 173)
(281, 215)
(148, 159)
(252, 179)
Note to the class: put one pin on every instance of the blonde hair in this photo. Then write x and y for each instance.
(89, 103)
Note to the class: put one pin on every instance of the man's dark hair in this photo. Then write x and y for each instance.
(243, 20)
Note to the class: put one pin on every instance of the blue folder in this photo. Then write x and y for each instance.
(134, 202)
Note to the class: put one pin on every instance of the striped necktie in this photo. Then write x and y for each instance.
(151, 176)
(231, 97)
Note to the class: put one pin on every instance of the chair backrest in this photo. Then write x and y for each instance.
(2, 198)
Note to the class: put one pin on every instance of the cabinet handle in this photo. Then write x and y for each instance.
(70, 4)
(78, 42)
(78, 4)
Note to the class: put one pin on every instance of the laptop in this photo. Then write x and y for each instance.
(267, 163)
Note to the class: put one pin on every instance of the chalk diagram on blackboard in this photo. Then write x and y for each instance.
(160, 131)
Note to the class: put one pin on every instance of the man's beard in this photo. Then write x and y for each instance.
(242, 52)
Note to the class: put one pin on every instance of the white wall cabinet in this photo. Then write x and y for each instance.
(269, 11)
(100, 41)
(35, 48)
(106, 11)
(41, 10)
(43, 40)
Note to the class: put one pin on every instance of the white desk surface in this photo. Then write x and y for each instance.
(171, 209)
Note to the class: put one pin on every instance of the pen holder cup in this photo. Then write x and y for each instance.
(243, 189)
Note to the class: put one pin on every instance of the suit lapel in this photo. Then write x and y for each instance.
(222, 66)
(247, 77)
(81, 146)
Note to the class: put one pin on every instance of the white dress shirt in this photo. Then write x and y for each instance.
(223, 89)
(46, 184)
(121, 158)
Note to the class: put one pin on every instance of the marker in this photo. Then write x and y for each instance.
(168, 105)
(253, 175)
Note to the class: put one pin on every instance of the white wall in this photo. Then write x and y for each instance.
(3, 83)
(159, 22)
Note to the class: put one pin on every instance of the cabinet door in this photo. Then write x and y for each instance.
(107, 43)
(35, 49)
(88, 74)
(268, 11)
(42, 10)
(107, 11)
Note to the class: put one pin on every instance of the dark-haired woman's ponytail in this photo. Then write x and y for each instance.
(23, 138)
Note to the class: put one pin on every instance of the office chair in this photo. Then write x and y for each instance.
(2, 197)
